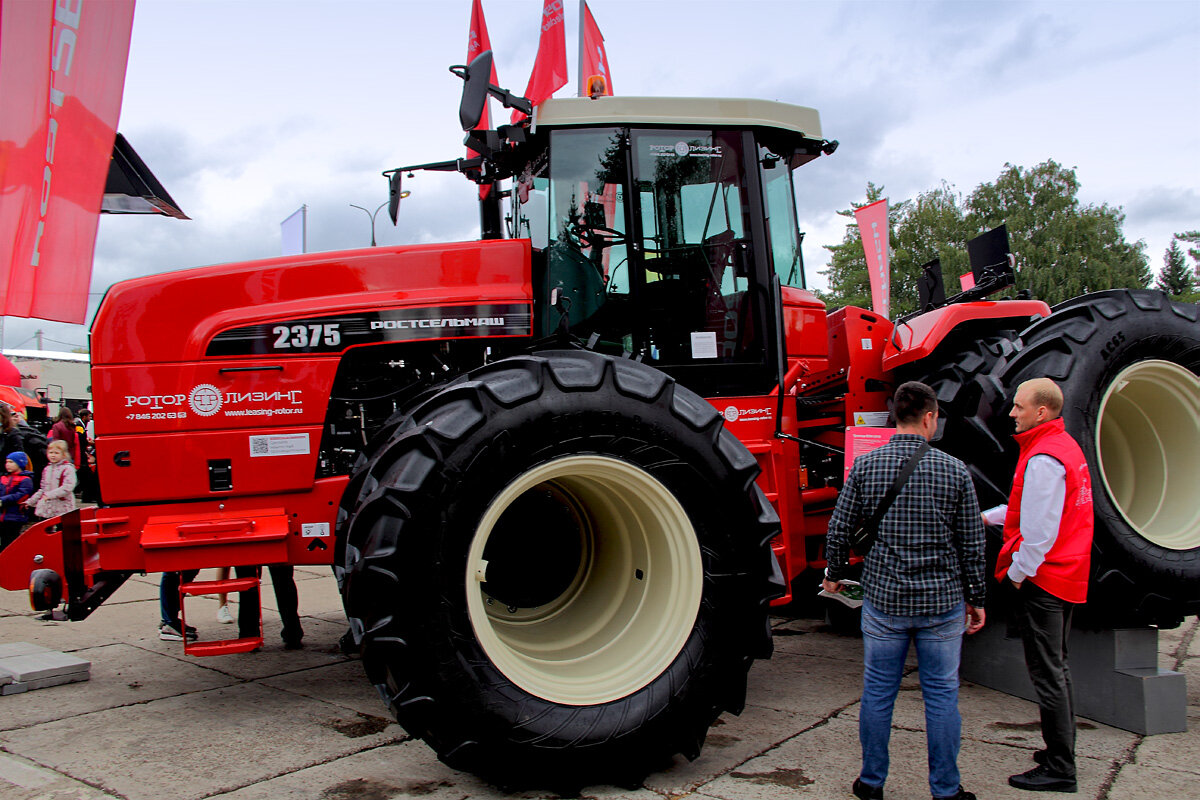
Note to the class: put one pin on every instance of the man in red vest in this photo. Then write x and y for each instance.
(1046, 554)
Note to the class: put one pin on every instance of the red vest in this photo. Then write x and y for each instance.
(1064, 573)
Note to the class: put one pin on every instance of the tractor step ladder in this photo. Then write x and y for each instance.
(220, 647)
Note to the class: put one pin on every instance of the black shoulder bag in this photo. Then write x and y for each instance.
(863, 539)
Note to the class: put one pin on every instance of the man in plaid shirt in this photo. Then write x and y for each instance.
(923, 582)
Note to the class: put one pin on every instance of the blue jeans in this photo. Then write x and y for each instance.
(168, 595)
(939, 650)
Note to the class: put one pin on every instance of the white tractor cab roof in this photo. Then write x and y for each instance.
(680, 111)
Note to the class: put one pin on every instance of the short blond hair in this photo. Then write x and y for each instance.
(1044, 392)
(59, 444)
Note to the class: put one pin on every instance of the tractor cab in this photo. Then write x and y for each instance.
(659, 225)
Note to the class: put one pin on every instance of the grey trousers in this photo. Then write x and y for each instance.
(1045, 624)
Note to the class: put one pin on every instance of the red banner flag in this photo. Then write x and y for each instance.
(593, 58)
(873, 227)
(550, 67)
(63, 73)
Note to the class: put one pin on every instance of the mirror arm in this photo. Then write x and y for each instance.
(433, 166)
(510, 100)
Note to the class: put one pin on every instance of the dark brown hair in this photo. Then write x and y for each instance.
(912, 401)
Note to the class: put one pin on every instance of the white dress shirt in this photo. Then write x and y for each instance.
(1041, 512)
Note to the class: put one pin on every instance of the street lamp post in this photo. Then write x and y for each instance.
(371, 214)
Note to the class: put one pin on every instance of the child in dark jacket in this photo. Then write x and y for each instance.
(16, 484)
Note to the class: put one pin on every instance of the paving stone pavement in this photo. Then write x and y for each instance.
(154, 724)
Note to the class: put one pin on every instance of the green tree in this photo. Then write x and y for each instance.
(931, 226)
(1192, 238)
(1063, 248)
(849, 284)
(1176, 277)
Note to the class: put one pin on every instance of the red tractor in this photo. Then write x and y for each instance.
(562, 473)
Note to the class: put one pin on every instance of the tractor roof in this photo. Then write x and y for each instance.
(680, 111)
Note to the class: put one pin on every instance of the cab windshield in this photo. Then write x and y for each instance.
(667, 268)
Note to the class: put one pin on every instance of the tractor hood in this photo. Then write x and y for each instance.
(228, 310)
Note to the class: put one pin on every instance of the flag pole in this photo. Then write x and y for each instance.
(582, 77)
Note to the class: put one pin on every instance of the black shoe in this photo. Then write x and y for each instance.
(961, 794)
(865, 791)
(1043, 779)
(1041, 757)
(292, 644)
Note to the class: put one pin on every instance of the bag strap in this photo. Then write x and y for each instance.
(898, 484)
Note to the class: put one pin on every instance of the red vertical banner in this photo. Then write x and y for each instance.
(873, 227)
(594, 58)
(550, 66)
(62, 71)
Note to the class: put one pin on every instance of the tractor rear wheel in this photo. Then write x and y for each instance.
(1128, 362)
(558, 570)
(960, 373)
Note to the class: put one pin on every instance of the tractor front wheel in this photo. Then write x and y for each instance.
(558, 569)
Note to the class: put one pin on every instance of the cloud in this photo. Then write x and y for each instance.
(1173, 206)
(305, 103)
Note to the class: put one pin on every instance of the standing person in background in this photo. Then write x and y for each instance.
(18, 436)
(57, 493)
(10, 431)
(223, 615)
(1045, 557)
(286, 597)
(16, 485)
(63, 430)
(924, 583)
(171, 629)
(87, 475)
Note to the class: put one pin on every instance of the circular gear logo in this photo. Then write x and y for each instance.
(205, 399)
(731, 414)
(682, 149)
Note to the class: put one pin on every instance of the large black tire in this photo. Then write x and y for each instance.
(558, 570)
(960, 372)
(1127, 362)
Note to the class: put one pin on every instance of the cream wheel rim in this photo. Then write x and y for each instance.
(1148, 445)
(624, 603)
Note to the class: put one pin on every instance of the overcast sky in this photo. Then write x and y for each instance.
(246, 110)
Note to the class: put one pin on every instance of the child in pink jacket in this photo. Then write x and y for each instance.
(57, 495)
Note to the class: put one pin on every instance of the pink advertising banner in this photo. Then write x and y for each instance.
(873, 226)
(861, 440)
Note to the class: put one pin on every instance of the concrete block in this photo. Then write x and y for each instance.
(43, 683)
(42, 665)
(1115, 674)
(20, 649)
(58, 680)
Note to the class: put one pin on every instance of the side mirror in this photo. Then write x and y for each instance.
(394, 195)
(477, 76)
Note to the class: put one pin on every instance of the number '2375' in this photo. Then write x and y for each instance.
(306, 335)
